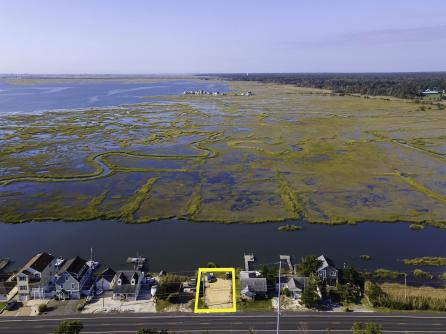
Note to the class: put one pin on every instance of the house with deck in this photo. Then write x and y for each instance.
(252, 285)
(127, 284)
(73, 279)
(35, 280)
(327, 272)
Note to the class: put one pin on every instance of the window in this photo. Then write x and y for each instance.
(23, 287)
(133, 281)
(22, 278)
(119, 282)
(72, 286)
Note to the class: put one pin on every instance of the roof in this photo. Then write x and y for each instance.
(6, 287)
(254, 284)
(73, 265)
(126, 277)
(39, 262)
(108, 274)
(326, 262)
(296, 283)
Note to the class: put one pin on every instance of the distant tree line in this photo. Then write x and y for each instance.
(402, 85)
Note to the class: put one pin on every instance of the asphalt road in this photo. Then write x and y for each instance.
(309, 322)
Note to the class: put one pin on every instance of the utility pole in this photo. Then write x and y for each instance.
(204, 300)
(405, 287)
(278, 300)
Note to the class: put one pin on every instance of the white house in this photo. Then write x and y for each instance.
(35, 280)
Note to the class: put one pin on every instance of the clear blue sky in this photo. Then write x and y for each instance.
(107, 36)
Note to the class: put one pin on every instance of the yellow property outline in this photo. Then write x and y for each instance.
(197, 293)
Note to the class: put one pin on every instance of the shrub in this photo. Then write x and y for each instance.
(289, 228)
(42, 308)
(370, 328)
(365, 257)
(151, 331)
(69, 327)
(169, 284)
(426, 261)
(385, 273)
(422, 274)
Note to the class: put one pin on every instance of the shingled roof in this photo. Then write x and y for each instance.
(73, 266)
(39, 262)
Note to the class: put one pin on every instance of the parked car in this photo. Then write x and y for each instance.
(11, 305)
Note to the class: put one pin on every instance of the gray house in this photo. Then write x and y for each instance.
(73, 279)
(327, 271)
(127, 284)
(35, 280)
(105, 279)
(295, 286)
(252, 285)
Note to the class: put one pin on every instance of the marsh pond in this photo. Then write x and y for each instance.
(110, 155)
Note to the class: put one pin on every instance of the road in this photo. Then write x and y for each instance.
(309, 322)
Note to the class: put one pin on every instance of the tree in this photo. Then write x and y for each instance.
(370, 328)
(350, 275)
(169, 284)
(69, 327)
(308, 265)
(212, 265)
(270, 275)
(310, 295)
(374, 293)
(348, 293)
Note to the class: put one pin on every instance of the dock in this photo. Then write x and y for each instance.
(4, 263)
(138, 262)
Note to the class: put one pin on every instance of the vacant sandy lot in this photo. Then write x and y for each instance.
(218, 294)
(109, 305)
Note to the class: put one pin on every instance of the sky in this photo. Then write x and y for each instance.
(189, 36)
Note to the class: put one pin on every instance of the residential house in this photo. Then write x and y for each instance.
(295, 286)
(73, 279)
(127, 284)
(105, 279)
(35, 280)
(327, 271)
(7, 290)
(252, 285)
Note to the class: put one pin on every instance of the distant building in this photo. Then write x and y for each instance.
(127, 284)
(327, 271)
(429, 92)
